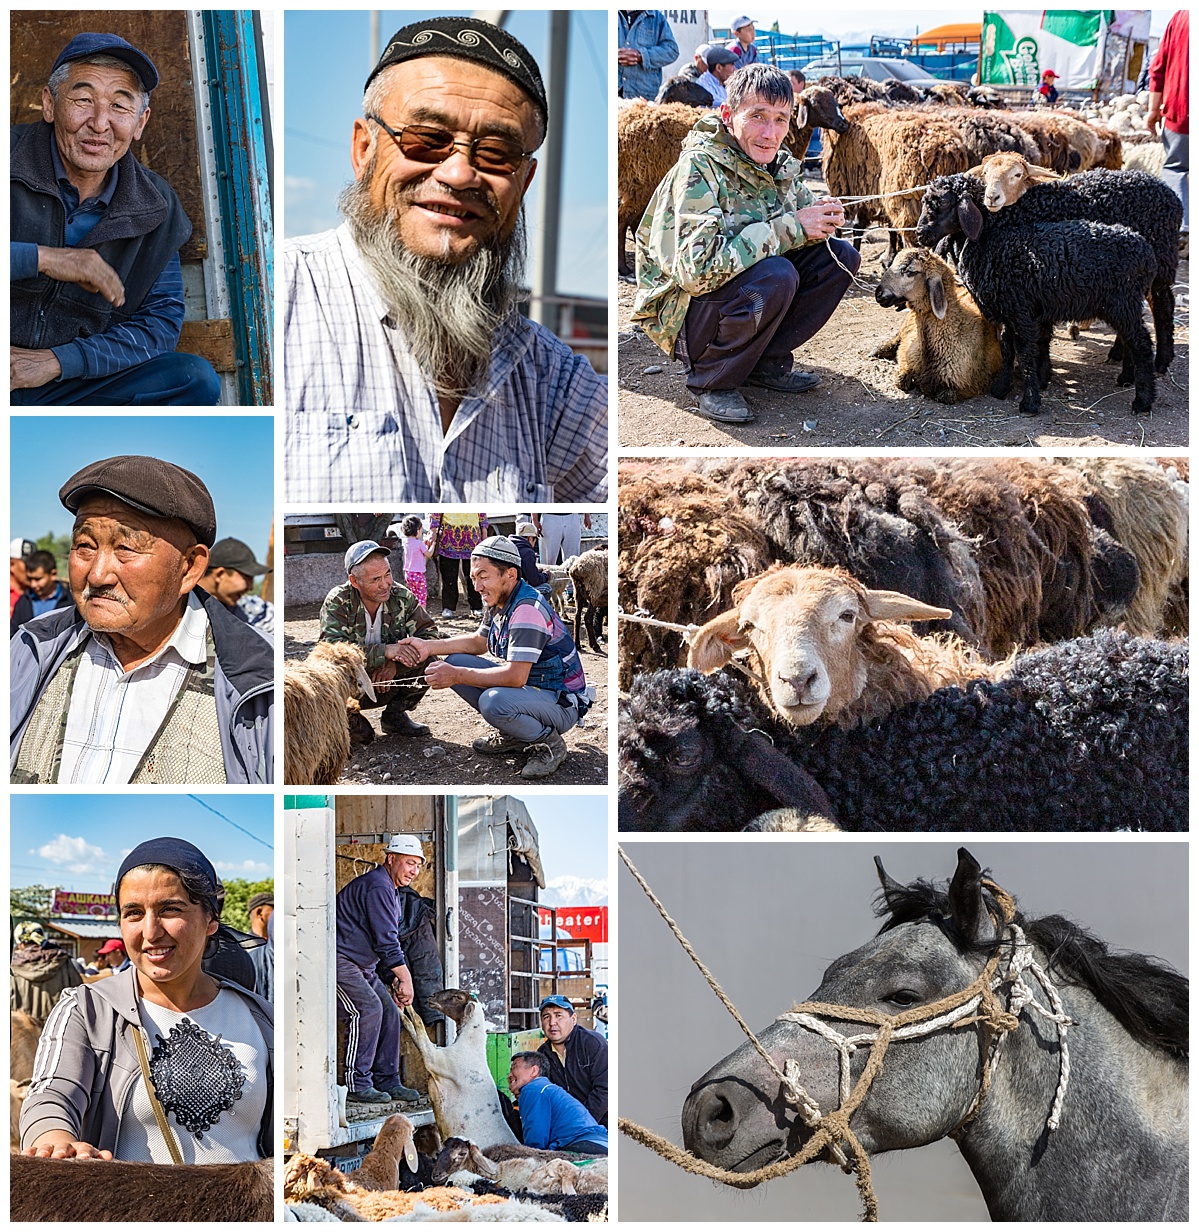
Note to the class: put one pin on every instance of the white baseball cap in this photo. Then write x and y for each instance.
(404, 845)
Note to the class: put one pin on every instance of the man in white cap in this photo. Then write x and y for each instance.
(368, 938)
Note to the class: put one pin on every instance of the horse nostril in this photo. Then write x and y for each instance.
(717, 1122)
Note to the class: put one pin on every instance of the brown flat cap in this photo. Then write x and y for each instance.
(148, 485)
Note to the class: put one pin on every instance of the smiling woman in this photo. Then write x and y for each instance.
(162, 1062)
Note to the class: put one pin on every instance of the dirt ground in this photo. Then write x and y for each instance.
(860, 405)
(445, 756)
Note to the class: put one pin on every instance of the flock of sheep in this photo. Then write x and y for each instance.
(1046, 216)
(904, 644)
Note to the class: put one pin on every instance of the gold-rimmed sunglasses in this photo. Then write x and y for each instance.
(423, 143)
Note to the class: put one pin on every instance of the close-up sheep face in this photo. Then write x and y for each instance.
(810, 629)
(1007, 177)
(915, 279)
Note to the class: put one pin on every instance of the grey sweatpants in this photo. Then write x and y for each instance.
(524, 714)
(1177, 169)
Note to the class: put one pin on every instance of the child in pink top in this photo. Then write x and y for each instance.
(416, 552)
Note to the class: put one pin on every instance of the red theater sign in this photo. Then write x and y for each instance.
(590, 922)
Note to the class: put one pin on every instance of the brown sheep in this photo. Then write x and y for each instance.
(316, 728)
(588, 575)
(537, 1172)
(1149, 518)
(112, 1191)
(946, 349)
(830, 651)
(22, 1050)
(380, 1168)
(682, 550)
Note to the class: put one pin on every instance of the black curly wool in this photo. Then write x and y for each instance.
(1086, 735)
(574, 1208)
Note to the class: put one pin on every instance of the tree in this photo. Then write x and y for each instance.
(60, 545)
(237, 894)
(30, 902)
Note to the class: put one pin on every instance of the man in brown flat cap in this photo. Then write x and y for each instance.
(145, 680)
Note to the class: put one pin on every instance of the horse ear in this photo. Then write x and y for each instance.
(966, 906)
(889, 884)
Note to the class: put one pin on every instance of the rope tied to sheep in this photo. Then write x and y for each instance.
(977, 1003)
(688, 632)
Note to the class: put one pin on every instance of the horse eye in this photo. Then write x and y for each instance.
(903, 997)
(849, 615)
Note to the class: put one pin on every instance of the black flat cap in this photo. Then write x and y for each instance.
(148, 485)
(233, 554)
(468, 38)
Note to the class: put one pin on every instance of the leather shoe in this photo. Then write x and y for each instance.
(787, 382)
(369, 1096)
(724, 406)
(401, 723)
(403, 1094)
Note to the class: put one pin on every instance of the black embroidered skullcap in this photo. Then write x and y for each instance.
(176, 853)
(468, 38)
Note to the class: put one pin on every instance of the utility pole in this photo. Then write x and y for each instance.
(549, 198)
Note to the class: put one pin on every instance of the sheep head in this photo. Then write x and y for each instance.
(950, 208)
(817, 105)
(350, 661)
(808, 626)
(916, 279)
(395, 1139)
(1007, 177)
(459, 1153)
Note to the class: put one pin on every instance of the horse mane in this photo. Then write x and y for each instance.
(1144, 994)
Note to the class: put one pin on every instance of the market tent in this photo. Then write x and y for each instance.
(953, 32)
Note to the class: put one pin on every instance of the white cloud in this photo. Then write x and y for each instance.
(574, 892)
(251, 870)
(76, 855)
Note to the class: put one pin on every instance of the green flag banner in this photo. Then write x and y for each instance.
(1017, 47)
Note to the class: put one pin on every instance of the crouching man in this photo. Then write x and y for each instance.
(551, 1119)
(733, 271)
(537, 690)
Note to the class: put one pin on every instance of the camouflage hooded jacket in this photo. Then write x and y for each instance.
(343, 619)
(713, 216)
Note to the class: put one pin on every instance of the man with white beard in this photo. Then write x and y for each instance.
(409, 373)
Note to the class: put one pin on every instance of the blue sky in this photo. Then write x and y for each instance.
(332, 49)
(231, 454)
(77, 842)
(573, 836)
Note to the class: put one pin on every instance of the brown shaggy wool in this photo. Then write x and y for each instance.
(316, 729)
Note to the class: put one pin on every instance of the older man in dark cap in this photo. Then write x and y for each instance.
(97, 287)
(409, 373)
(144, 680)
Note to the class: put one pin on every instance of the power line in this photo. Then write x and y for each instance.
(234, 824)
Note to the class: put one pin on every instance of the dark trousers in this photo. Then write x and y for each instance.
(372, 1028)
(449, 570)
(763, 314)
(175, 379)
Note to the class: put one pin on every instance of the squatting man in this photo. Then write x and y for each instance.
(733, 268)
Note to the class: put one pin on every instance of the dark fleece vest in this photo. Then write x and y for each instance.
(140, 231)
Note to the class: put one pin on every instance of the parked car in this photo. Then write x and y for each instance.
(877, 68)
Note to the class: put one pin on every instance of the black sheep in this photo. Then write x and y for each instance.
(1087, 735)
(1029, 275)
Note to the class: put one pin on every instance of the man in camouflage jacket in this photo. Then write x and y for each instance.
(733, 268)
(373, 611)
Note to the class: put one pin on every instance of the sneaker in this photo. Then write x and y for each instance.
(477, 615)
(785, 381)
(401, 723)
(497, 742)
(402, 1094)
(446, 614)
(724, 406)
(369, 1096)
(546, 756)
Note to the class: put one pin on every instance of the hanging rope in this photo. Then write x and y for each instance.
(977, 1003)
(689, 631)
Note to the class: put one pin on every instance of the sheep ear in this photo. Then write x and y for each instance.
(716, 643)
(1043, 173)
(936, 296)
(364, 683)
(978, 170)
(481, 1164)
(410, 1156)
(801, 117)
(891, 605)
(970, 219)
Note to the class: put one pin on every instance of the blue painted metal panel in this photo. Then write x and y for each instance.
(240, 142)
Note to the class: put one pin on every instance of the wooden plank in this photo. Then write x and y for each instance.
(170, 144)
(213, 340)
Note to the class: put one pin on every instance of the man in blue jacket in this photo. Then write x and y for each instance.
(550, 1119)
(142, 680)
(573, 1057)
(368, 936)
(645, 45)
(96, 282)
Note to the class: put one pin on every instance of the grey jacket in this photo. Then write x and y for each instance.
(87, 1066)
(245, 683)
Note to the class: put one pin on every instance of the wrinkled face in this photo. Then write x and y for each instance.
(447, 210)
(735, 1116)
(758, 127)
(228, 585)
(372, 579)
(42, 582)
(130, 571)
(163, 930)
(520, 1075)
(96, 117)
(494, 583)
(557, 1023)
(404, 868)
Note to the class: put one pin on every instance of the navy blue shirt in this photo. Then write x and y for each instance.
(368, 920)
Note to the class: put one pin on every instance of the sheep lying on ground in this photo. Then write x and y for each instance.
(1088, 735)
(1132, 199)
(541, 1172)
(589, 576)
(1028, 275)
(828, 650)
(945, 347)
(114, 1191)
(316, 728)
